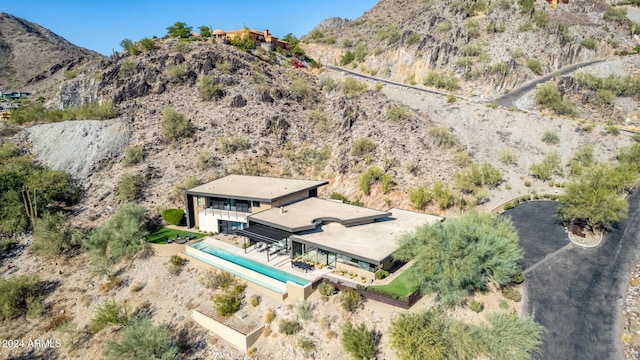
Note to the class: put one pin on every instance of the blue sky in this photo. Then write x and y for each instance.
(101, 25)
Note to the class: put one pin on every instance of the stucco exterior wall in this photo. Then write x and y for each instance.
(167, 250)
(237, 339)
(298, 292)
(290, 198)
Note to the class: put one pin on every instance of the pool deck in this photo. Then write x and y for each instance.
(280, 262)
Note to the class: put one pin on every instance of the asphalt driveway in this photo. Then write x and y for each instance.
(576, 293)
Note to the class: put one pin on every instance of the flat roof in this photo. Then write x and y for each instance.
(372, 242)
(260, 188)
(307, 213)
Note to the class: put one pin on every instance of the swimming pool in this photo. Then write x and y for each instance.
(250, 264)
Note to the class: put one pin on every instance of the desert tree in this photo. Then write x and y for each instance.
(143, 340)
(179, 30)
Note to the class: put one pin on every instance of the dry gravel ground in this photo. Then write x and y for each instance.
(170, 299)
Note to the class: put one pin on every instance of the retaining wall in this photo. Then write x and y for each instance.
(234, 337)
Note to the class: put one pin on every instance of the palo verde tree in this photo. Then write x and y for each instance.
(179, 30)
(457, 256)
(143, 340)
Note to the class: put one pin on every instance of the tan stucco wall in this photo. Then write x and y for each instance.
(238, 269)
(239, 340)
(262, 207)
(196, 210)
(167, 250)
(290, 198)
(298, 292)
(207, 222)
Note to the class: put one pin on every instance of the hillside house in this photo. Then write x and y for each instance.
(259, 38)
(287, 215)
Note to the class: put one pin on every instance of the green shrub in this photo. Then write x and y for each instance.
(612, 130)
(501, 68)
(289, 327)
(508, 157)
(14, 293)
(52, 235)
(548, 96)
(304, 89)
(398, 113)
(173, 216)
(503, 305)
(471, 27)
(420, 197)
(412, 39)
(353, 88)
(71, 74)
(551, 138)
(307, 345)
(205, 160)
(389, 33)
(110, 313)
(326, 289)
(478, 175)
(230, 145)
(188, 183)
(350, 300)
(439, 80)
(551, 164)
(442, 136)
(321, 121)
(615, 14)
(375, 175)
(359, 342)
(512, 294)
(534, 65)
(229, 301)
(589, 43)
(540, 18)
(381, 274)
(305, 310)
(462, 158)
(451, 98)
(601, 97)
(443, 27)
(347, 58)
(495, 27)
(442, 195)
(130, 186)
(518, 278)
(147, 44)
(209, 89)
(269, 316)
(476, 306)
(363, 146)
(524, 27)
(176, 260)
(142, 340)
(218, 279)
(471, 50)
(360, 52)
(254, 300)
(127, 66)
(175, 125)
(133, 155)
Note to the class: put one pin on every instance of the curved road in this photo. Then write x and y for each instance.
(574, 292)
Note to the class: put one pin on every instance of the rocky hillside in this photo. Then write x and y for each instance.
(490, 46)
(31, 54)
(265, 117)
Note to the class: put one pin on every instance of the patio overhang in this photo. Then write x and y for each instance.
(263, 234)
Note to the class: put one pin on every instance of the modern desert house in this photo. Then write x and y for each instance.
(287, 216)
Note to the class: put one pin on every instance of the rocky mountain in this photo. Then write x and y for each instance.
(30, 54)
(489, 46)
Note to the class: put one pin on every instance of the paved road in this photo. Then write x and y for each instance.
(576, 293)
(509, 99)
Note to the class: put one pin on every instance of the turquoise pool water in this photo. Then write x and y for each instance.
(250, 264)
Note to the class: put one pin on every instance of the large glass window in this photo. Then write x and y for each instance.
(227, 227)
(230, 204)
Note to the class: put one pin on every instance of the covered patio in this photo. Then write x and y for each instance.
(266, 239)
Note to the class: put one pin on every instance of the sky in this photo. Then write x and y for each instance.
(102, 25)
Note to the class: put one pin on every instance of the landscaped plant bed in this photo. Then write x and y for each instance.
(386, 298)
(161, 235)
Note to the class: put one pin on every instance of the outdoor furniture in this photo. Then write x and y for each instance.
(302, 265)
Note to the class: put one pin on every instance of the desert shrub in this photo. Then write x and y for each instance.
(551, 137)
(471, 27)
(442, 136)
(501, 68)
(360, 52)
(462, 158)
(612, 130)
(53, 235)
(511, 337)
(122, 236)
(142, 340)
(443, 27)
(471, 50)
(175, 72)
(305, 310)
(412, 38)
(147, 44)
(71, 74)
(386, 183)
(548, 95)
(589, 43)
(205, 160)
(307, 345)
(478, 175)
(353, 88)
(615, 14)
(628, 85)
(512, 294)
(173, 216)
(350, 300)
(420, 197)
(269, 316)
(230, 145)
(524, 27)
(35, 308)
(210, 89)
(508, 157)
(442, 195)
(389, 33)
(303, 89)
(321, 121)
(108, 314)
(495, 27)
(540, 18)
(224, 66)
(14, 292)
(289, 327)
(69, 331)
(130, 186)
(182, 46)
(228, 302)
(363, 146)
(176, 260)
(550, 165)
(534, 65)
(476, 306)
(133, 155)
(375, 175)
(347, 58)
(218, 279)
(188, 183)
(175, 125)
(127, 66)
(398, 113)
(254, 300)
(601, 97)
(326, 289)
(359, 342)
(451, 98)
(439, 80)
